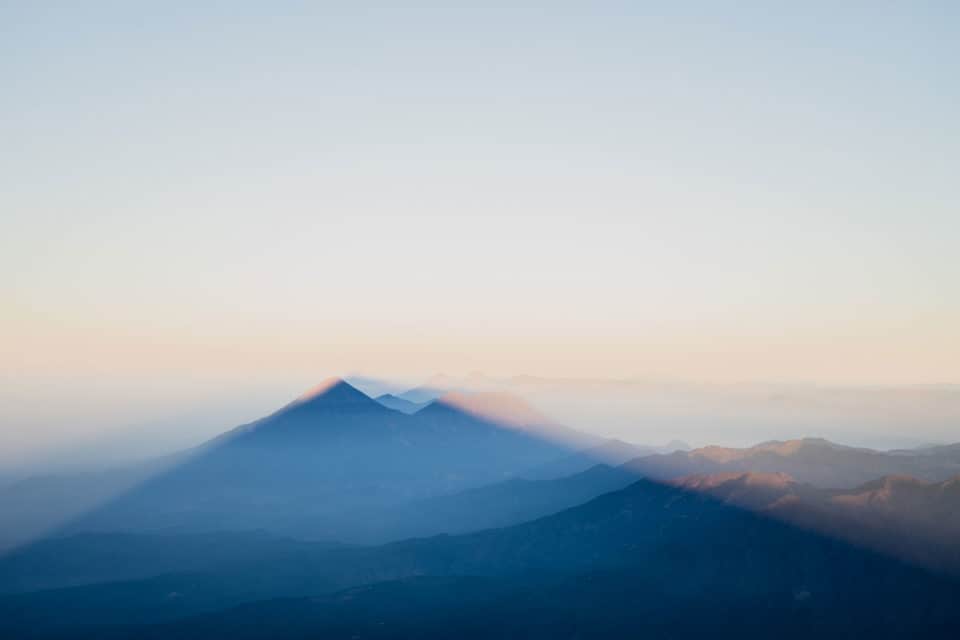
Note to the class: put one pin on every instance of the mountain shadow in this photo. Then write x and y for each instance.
(331, 456)
(109, 557)
(650, 558)
(391, 401)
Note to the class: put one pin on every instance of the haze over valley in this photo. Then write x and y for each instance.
(480, 492)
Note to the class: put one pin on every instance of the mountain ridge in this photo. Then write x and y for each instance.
(905, 517)
(811, 460)
(330, 453)
(649, 534)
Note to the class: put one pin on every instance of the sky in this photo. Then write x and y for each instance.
(206, 207)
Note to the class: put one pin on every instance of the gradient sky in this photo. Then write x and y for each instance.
(199, 200)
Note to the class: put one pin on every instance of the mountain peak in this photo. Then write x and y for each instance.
(397, 403)
(333, 391)
(790, 447)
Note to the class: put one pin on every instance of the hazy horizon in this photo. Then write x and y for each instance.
(208, 208)
(644, 412)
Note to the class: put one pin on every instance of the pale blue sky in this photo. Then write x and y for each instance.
(273, 192)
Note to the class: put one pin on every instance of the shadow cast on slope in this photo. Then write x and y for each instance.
(682, 556)
(324, 467)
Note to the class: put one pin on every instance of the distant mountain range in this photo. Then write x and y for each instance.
(336, 465)
(898, 515)
(333, 455)
(473, 514)
(884, 416)
(810, 460)
(612, 452)
(391, 401)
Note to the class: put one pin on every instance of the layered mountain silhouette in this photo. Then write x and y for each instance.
(94, 558)
(612, 452)
(641, 559)
(437, 512)
(502, 504)
(898, 515)
(810, 460)
(391, 401)
(331, 456)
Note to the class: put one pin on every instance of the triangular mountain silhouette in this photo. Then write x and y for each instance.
(331, 406)
(391, 401)
(628, 556)
(330, 455)
(333, 391)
